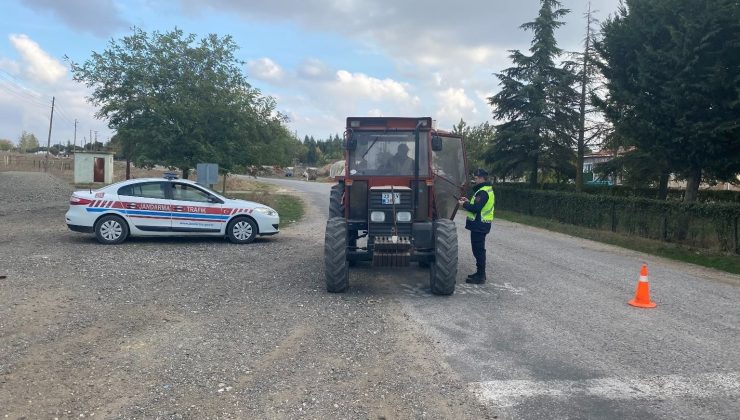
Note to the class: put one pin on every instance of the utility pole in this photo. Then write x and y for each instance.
(75, 142)
(48, 141)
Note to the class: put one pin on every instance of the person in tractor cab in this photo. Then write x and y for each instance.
(401, 163)
(480, 216)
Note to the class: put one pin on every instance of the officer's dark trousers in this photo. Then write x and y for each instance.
(478, 243)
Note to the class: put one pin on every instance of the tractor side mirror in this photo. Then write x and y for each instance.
(436, 143)
(351, 143)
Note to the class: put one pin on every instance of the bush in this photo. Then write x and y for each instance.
(704, 196)
(703, 225)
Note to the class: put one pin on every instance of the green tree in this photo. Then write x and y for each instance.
(6, 145)
(673, 78)
(178, 101)
(28, 143)
(56, 149)
(476, 141)
(311, 154)
(537, 104)
(330, 149)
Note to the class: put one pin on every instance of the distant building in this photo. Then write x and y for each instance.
(591, 160)
(93, 167)
(589, 164)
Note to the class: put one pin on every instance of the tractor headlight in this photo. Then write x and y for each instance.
(377, 216)
(403, 216)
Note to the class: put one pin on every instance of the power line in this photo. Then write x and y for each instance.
(17, 89)
(33, 100)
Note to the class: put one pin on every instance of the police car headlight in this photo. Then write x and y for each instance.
(266, 210)
(377, 216)
(403, 216)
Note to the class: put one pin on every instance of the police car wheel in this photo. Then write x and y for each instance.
(241, 230)
(111, 230)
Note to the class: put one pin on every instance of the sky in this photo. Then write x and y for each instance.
(322, 60)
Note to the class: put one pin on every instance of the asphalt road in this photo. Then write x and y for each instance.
(551, 334)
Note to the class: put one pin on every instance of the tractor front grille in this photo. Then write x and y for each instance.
(377, 204)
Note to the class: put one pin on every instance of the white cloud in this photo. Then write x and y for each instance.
(99, 17)
(432, 45)
(26, 90)
(454, 104)
(483, 95)
(314, 69)
(362, 85)
(39, 65)
(265, 69)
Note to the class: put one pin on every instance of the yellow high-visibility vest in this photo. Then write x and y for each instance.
(486, 213)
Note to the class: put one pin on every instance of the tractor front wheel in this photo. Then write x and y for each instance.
(336, 207)
(444, 268)
(336, 266)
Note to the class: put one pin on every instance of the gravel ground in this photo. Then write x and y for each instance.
(27, 191)
(199, 328)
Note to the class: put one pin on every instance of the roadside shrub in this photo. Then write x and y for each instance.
(703, 225)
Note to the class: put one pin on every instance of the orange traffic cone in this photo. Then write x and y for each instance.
(642, 295)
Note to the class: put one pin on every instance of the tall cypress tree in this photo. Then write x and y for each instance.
(536, 104)
(673, 78)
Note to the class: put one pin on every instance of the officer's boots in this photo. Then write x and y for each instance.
(479, 277)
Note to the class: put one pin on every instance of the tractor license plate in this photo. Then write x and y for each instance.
(391, 198)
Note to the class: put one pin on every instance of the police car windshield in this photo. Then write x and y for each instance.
(210, 191)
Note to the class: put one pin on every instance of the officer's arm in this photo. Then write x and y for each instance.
(480, 200)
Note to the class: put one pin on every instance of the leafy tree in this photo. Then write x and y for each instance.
(178, 101)
(28, 142)
(673, 79)
(56, 149)
(476, 141)
(537, 104)
(273, 143)
(6, 145)
(330, 149)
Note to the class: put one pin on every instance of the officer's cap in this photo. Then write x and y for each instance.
(481, 173)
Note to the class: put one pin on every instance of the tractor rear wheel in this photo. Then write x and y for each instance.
(444, 268)
(336, 266)
(336, 208)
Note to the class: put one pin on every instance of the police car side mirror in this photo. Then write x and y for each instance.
(436, 143)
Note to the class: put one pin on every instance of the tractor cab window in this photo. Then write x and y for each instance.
(449, 170)
(390, 154)
(448, 161)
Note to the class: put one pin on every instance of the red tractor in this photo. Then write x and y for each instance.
(395, 200)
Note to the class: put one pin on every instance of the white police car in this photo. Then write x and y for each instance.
(166, 207)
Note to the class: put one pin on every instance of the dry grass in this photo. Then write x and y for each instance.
(64, 168)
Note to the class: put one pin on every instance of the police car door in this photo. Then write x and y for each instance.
(145, 205)
(194, 210)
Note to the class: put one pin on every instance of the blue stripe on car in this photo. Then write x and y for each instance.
(198, 216)
(176, 215)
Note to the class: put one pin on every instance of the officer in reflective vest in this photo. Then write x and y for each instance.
(480, 216)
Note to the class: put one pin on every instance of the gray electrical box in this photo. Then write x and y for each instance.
(207, 174)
